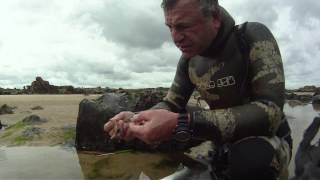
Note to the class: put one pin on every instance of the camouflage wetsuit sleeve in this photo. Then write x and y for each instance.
(180, 90)
(262, 114)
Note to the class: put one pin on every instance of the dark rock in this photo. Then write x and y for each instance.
(34, 119)
(37, 108)
(316, 99)
(66, 89)
(317, 92)
(93, 114)
(0, 125)
(307, 89)
(307, 159)
(316, 107)
(5, 109)
(304, 98)
(40, 86)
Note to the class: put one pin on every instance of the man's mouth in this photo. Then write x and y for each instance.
(185, 48)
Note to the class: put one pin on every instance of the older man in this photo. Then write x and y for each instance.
(238, 72)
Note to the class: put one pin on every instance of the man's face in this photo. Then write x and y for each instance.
(191, 31)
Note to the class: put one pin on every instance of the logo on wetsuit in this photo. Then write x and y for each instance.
(222, 82)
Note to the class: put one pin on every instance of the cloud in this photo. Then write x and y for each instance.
(119, 43)
(131, 24)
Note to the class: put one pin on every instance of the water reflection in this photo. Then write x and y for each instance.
(130, 165)
(316, 107)
(19, 163)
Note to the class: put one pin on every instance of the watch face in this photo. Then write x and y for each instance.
(182, 136)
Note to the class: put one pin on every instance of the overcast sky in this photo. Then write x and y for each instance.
(124, 43)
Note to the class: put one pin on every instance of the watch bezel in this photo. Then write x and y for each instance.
(182, 131)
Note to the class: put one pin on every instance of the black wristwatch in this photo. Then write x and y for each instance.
(182, 132)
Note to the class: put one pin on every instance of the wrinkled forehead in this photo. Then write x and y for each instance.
(177, 4)
(183, 12)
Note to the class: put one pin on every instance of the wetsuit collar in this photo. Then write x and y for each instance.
(226, 27)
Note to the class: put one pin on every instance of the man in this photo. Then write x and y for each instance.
(245, 92)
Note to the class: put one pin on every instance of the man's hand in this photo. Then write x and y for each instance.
(116, 127)
(152, 126)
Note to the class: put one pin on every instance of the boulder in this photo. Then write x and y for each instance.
(40, 86)
(307, 159)
(93, 114)
(316, 99)
(5, 109)
(34, 119)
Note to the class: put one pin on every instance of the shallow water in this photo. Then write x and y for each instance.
(51, 163)
(299, 117)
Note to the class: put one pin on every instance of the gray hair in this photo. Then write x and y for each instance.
(207, 7)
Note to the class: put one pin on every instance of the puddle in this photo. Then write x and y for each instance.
(39, 163)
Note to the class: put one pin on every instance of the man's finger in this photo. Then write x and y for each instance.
(138, 119)
(108, 126)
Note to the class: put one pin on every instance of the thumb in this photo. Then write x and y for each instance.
(136, 130)
(137, 119)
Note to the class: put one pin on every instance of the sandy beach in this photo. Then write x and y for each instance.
(60, 111)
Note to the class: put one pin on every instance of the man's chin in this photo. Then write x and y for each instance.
(188, 55)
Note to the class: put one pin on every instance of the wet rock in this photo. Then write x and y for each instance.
(5, 109)
(304, 98)
(93, 114)
(37, 108)
(34, 119)
(316, 99)
(307, 159)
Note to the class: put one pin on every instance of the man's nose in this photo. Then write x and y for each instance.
(177, 36)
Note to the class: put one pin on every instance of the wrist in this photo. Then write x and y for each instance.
(182, 131)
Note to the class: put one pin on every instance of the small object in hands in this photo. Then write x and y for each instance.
(119, 130)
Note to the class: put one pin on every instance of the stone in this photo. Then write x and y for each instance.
(40, 86)
(5, 109)
(316, 99)
(37, 108)
(93, 114)
(34, 119)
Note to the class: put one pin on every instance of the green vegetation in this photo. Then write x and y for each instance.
(18, 125)
(69, 134)
(7, 134)
(13, 128)
(20, 140)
